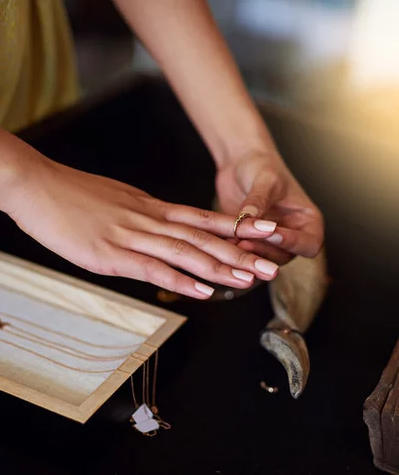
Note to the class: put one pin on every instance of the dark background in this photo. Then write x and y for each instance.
(210, 370)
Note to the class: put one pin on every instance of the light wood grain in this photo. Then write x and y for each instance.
(93, 312)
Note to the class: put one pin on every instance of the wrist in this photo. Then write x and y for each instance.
(248, 150)
(19, 165)
(250, 138)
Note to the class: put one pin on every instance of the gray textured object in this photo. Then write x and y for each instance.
(296, 295)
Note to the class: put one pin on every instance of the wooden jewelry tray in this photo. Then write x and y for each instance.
(67, 345)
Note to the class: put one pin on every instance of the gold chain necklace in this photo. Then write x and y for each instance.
(8, 327)
(54, 361)
(69, 350)
(64, 335)
(146, 394)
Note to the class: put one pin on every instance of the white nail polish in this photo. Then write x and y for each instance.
(266, 267)
(242, 275)
(204, 289)
(252, 210)
(275, 239)
(265, 226)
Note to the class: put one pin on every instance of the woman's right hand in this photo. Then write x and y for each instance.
(111, 228)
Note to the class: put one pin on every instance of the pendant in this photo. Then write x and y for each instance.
(143, 421)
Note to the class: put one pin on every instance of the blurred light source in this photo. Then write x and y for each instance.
(275, 18)
(320, 29)
(374, 51)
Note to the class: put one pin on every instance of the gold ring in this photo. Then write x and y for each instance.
(240, 218)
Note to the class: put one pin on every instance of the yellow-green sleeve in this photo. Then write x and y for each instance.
(37, 65)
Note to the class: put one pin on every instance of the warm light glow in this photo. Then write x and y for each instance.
(374, 53)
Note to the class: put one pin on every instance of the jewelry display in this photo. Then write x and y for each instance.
(67, 345)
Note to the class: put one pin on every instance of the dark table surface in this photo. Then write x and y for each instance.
(209, 373)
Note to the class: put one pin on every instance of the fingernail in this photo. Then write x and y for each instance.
(204, 289)
(252, 210)
(242, 275)
(266, 267)
(267, 226)
(275, 239)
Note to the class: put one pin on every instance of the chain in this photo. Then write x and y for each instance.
(154, 384)
(65, 335)
(146, 391)
(45, 342)
(68, 350)
(54, 361)
(29, 336)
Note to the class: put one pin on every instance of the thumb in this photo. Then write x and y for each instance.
(262, 192)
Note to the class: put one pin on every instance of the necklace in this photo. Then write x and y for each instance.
(65, 335)
(29, 336)
(146, 417)
(12, 329)
(54, 361)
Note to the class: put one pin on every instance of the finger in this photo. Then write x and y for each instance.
(297, 242)
(265, 190)
(268, 251)
(218, 223)
(147, 269)
(181, 254)
(224, 251)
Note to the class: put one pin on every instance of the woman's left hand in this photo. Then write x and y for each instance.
(262, 185)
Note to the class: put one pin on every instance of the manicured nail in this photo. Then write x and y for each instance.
(266, 226)
(204, 289)
(275, 239)
(252, 210)
(242, 275)
(266, 267)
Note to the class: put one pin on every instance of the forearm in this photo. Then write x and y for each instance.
(17, 162)
(184, 39)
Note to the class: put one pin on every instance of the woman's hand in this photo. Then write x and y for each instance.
(114, 229)
(212, 91)
(262, 185)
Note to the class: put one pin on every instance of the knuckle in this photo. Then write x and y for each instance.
(218, 267)
(150, 269)
(180, 247)
(162, 207)
(167, 280)
(148, 205)
(242, 258)
(98, 260)
(169, 211)
(116, 233)
(124, 196)
(205, 215)
(276, 184)
(272, 177)
(174, 282)
(258, 197)
(200, 238)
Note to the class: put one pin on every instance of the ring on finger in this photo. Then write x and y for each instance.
(238, 221)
